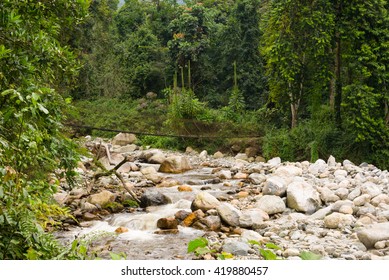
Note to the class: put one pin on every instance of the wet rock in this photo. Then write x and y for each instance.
(302, 197)
(101, 198)
(275, 185)
(89, 217)
(236, 248)
(184, 188)
(370, 235)
(224, 174)
(271, 204)
(123, 139)
(167, 223)
(167, 231)
(229, 214)
(153, 198)
(175, 164)
(338, 220)
(192, 218)
(120, 230)
(205, 201)
(181, 215)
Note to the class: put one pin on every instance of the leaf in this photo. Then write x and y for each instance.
(305, 255)
(267, 254)
(202, 250)
(43, 109)
(272, 246)
(254, 242)
(197, 243)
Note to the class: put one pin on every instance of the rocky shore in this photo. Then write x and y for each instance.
(337, 210)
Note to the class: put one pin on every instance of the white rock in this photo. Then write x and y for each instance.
(371, 189)
(248, 235)
(203, 155)
(327, 195)
(318, 167)
(205, 201)
(301, 196)
(252, 218)
(354, 194)
(274, 161)
(381, 198)
(362, 200)
(331, 162)
(271, 204)
(338, 220)
(241, 156)
(291, 252)
(288, 171)
(340, 174)
(123, 139)
(342, 193)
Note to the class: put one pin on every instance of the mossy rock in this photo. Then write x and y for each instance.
(130, 203)
(113, 207)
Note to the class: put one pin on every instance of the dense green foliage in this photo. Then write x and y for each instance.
(35, 67)
(310, 75)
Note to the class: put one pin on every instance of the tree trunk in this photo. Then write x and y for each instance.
(338, 66)
(294, 109)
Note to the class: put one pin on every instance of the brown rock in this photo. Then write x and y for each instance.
(175, 164)
(166, 231)
(120, 230)
(184, 188)
(167, 223)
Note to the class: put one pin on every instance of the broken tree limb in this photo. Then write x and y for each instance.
(115, 171)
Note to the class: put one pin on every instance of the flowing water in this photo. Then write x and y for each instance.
(141, 241)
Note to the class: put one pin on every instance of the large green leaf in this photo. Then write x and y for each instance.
(197, 243)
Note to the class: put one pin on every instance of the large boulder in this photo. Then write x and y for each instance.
(153, 198)
(101, 198)
(123, 139)
(229, 214)
(372, 234)
(204, 201)
(271, 204)
(302, 197)
(175, 164)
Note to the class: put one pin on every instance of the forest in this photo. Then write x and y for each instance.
(304, 79)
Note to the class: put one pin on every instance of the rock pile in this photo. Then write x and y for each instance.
(337, 210)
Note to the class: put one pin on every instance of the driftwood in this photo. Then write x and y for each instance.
(115, 171)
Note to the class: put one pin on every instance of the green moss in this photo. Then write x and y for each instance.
(113, 207)
(130, 203)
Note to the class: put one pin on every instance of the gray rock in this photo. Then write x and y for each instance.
(237, 248)
(127, 149)
(153, 198)
(275, 185)
(123, 139)
(224, 174)
(338, 220)
(271, 204)
(175, 164)
(257, 178)
(252, 218)
(204, 201)
(370, 235)
(101, 198)
(213, 223)
(248, 235)
(321, 213)
(229, 214)
(302, 197)
(241, 156)
(327, 195)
